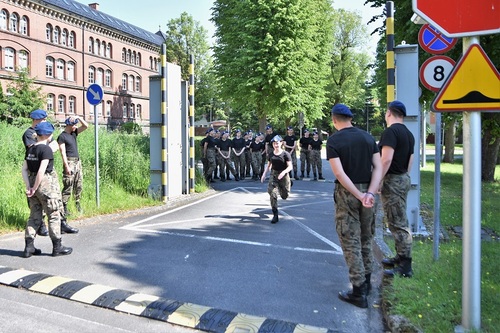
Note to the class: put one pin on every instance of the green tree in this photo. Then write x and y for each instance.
(271, 57)
(23, 96)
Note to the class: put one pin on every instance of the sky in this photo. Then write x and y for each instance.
(153, 14)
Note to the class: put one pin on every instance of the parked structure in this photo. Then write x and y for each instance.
(67, 46)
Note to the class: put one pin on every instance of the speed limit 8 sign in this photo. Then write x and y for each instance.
(435, 71)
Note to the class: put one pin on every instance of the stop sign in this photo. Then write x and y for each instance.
(459, 18)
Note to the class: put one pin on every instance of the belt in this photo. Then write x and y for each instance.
(362, 186)
(73, 158)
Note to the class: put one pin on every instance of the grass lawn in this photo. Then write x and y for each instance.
(432, 299)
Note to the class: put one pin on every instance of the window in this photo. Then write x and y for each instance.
(91, 45)
(138, 59)
(127, 56)
(132, 111)
(23, 27)
(70, 71)
(107, 78)
(124, 52)
(9, 59)
(130, 85)
(49, 67)
(61, 102)
(57, 34)
(138, 84)
(50, 102)
(48, 33)
(23, 59)
(108, 109)
(97, 44)
(132, 60)
(99, 109)
(71, 104)
(71, 39)
(108, 50)
(3, 20)
(124, 81)
(91, 74)
(64, 37)
(125, 108)
(60, 69)
(99, 76)
(102, 51)
(14, 23)
(150, 62)
(139, 111)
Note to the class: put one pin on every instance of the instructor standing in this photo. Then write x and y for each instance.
(72, 174)
(396, 146)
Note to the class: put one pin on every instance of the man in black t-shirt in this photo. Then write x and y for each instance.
(305, 154)
(396, 146)
(355, 160)
(291, 147)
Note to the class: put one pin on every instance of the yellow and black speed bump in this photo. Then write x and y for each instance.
(174, 312)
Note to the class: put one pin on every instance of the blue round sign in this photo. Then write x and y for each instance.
(94, 94)
(433, 41)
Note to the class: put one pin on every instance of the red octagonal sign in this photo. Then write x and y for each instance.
(459, 18)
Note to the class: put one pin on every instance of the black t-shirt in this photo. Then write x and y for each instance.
(224, 144)
(316, 145)
(248, 143)
(29, 137)
(279, 162)
(238, 143)
(210, 141)
(305, 142)
(269, 137)
(290, 141)
(355, 148)
(69, 140)
(399, 137)
(257, 146)
(36, 154)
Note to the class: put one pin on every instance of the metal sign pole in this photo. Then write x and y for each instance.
(96, 135)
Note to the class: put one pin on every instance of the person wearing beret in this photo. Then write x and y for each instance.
(29, 139)
(248, 154)
(72, 174)
(279, 165)
(305, 154)
(224, 147)
(315, 146)
(396, 147)
(270, 134)
(354, 158)
(238, 154)
(42, 190)
(291, 147)
(209, 154)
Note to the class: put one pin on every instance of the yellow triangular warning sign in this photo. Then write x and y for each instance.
(473, 85)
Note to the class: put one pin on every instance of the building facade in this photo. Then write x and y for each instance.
(67, 46)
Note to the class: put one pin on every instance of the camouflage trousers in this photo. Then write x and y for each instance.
(226, 164)
(256, 163)
(395, 190)
(294, 160)
(355, 226)
(317, 165)
(72, 183)
(248, 161)
(275, 186)
(46, 198)
(305, 162)
(212, 164)
(239, 163)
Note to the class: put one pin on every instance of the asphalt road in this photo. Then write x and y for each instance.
(216, 250)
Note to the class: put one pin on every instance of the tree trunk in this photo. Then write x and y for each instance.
(489, 156)
(449, 141)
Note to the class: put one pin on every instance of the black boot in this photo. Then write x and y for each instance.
(356, 296)
(275, 216)
(368, 283)
(66, 228)
(59, 250)
(315, 178)
(237, 178)
(403, 269)
(296, 175)
(321, 176)
(391, 262)
(302, 175)
(30, 248)
(42, 231)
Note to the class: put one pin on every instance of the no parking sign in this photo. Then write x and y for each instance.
(434, 72)
(433, 41)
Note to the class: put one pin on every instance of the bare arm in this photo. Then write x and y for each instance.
(62, 150)
(387, 155)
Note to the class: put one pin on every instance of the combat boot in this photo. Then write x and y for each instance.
(315, 178)
(302, 175)
(296, 175)
(391, 262)
(42, 231)
(237, 178)
(30, 248)
(368, 283)
(66, 228)
(59, 250)
(275, 216)
(321, 176)
(403, 269)
(356, 296)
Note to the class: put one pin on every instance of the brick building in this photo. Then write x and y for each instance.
(67, 46)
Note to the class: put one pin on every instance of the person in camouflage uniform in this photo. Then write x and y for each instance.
(397, 146)
(238, 154)
(355, 160)
(315, 146)
(305, 153)
(257, 147)
(209, 153)
(291, 147)
(43, 192)
(248, 153)
(73, 173)
(280, 165)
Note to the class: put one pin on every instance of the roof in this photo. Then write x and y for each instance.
(105, 19)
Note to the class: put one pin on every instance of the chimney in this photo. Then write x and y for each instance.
(94, 5)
